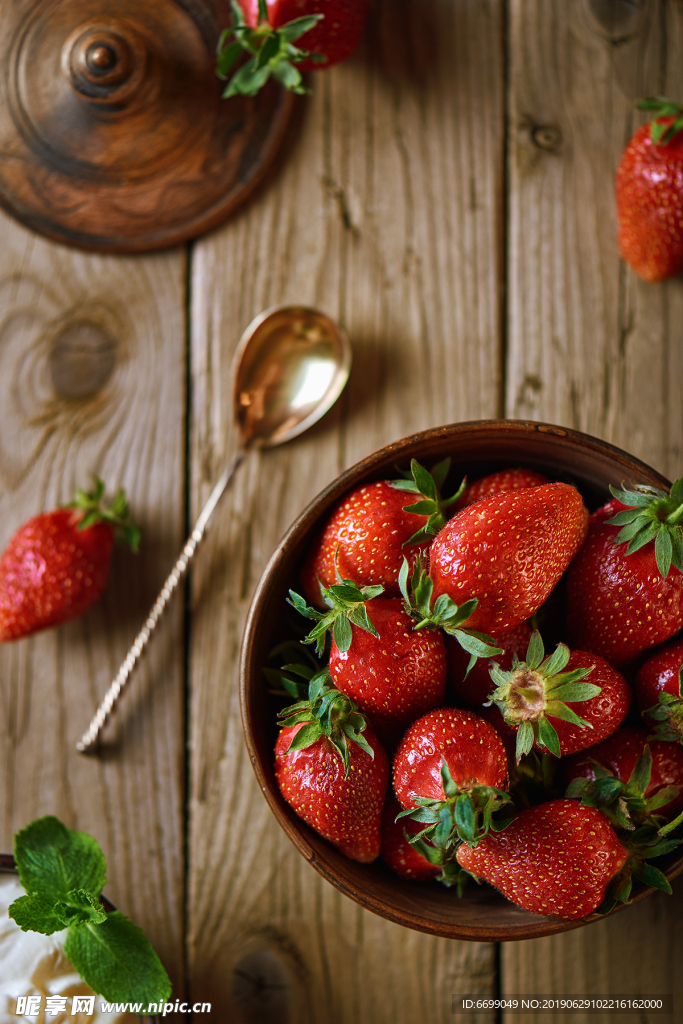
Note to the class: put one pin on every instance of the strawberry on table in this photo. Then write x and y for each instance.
(625, 586)
(650, 194)
(534, 697)
(450, 773)
(659, 692)
(55, 566)
(284, 38)
(508, 552)
(555, 859)
(374, 528)
(332, 769)
(628, 777)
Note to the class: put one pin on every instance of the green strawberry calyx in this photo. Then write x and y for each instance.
(328, 713)
(464, 816)
(662, 134)
(117, 515)
(624, 803)
(652, 515)
(346, 601)
(646, 843)
(428, 486)
(444, 613)
(536, 688)
(667, 713)
(271, 51)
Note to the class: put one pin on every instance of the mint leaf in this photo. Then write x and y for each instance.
(37, 913)
(53, 860)
(45, 914)
(81, 907)
(117, 960)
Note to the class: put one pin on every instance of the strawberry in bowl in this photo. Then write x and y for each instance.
(459, 808)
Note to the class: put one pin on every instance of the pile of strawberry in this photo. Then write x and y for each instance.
(433, 729)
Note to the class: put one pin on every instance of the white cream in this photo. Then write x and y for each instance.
(32, 964)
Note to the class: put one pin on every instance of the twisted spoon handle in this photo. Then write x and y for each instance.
(90, 736)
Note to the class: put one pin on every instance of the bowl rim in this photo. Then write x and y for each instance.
(531, 925)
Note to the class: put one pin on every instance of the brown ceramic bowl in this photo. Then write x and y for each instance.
(7, 867)
(476, 448)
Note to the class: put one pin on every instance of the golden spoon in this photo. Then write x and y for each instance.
(289, 368)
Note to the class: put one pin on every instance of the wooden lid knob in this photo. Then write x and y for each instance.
(105, 64)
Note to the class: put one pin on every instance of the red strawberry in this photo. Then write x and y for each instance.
(403, 858)
(474, 689)
(55, 566)
(650, 194)
(496, 483)
(555, 859)
(451, 759)
(326, 32)
(397, 675)
(534, 697)
(659, 674)
(371, 532)
(625, 597)
(660, 775)
(659, 692)
(332, 770)
(508, 552)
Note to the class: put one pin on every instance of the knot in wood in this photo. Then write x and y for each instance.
(82, 359)
(547, 137)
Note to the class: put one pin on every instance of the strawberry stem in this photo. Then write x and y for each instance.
(652, 515)
(271, 50)
(464, 816)
(662, 134)
(428, 486)
(536, 688)
(117, 515)
(327, 712)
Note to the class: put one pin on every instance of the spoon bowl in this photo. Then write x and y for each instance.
(290, 366)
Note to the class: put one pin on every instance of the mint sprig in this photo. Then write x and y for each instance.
(63, 873)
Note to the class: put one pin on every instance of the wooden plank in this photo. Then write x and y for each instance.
(387, 216)
(92, 379)
(590, 346)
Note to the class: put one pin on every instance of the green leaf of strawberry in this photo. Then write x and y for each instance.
(428, 485)
(271, 52)
(652, 514)
(346, 601)
(662, 134)
(330, 713)
(443, 613)
(463, 817)
(534, 689)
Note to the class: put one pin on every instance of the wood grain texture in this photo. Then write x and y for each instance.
(92, 379)
(387, 216)
(591, 346)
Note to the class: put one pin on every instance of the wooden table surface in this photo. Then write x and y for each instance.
(449, 198)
